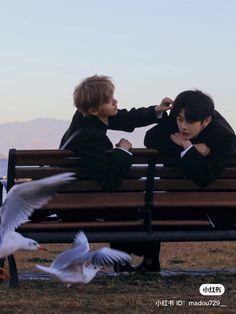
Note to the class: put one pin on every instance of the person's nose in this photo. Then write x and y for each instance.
(184, 126)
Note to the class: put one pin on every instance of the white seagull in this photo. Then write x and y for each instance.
(81, 265)
(19, 204)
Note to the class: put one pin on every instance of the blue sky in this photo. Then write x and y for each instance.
(150, 48)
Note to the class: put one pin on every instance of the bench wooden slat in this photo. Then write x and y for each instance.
(79, 225)
(180, 223)
(176, 172)
(37, 153)
(53, 156)
(195, 199)
(92, 186)
(40, 172)
(101, 236)
(52, 161)
(108, 224)
(136, 171)
(188, 185)
(37, 172)
(97, 200)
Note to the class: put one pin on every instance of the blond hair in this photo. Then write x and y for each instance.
(92, 92)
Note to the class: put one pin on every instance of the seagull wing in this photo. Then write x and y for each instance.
(24, 198)
(104, 256)
(81, 240)
(4, 183)
(68, 257)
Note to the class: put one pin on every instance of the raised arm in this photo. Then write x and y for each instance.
(129, 120)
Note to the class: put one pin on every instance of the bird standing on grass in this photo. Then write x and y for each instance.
(19, 204)
(81, 265)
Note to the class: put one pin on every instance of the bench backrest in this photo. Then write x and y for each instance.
(152, 187)
(148, 173)
(35, 164)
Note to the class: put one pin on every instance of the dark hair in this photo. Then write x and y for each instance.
(92, 92)
(197, 105)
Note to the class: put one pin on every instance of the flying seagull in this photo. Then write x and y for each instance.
(21, 201)
(79, 264)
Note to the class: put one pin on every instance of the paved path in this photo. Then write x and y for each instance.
(28, 275)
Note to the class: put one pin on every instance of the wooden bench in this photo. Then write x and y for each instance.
(155, 202)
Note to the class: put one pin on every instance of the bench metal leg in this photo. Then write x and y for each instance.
(2, 262)
(14, 282)
(1, 193)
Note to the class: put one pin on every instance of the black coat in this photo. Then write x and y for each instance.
(218, 136)
(87, 137)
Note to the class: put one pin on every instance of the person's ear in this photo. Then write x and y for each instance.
(206, 121)
(93, 111)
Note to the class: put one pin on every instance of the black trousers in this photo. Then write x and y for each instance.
(146, 249)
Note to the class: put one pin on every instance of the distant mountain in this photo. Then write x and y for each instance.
(39, 133)
(46, 133)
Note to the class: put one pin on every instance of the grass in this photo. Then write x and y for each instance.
(132, 293)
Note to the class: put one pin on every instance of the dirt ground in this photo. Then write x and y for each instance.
(149, 293)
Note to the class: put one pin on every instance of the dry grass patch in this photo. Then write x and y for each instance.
(127, 294)
(184, 256)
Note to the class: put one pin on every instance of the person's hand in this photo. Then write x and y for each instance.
(123, 143)
(166, 104)
(178, 139)
(203, 149)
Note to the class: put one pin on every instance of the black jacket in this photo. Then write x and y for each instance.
(87, 137)
(218, 136)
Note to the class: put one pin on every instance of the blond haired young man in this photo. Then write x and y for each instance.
(97, 111)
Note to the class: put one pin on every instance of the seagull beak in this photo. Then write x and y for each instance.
(41, 248)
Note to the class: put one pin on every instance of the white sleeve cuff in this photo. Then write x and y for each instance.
(159, 114)
(125, 150)
(185, 151)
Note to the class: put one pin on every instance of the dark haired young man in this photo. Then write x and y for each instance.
(198, 138)
(196, 135)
